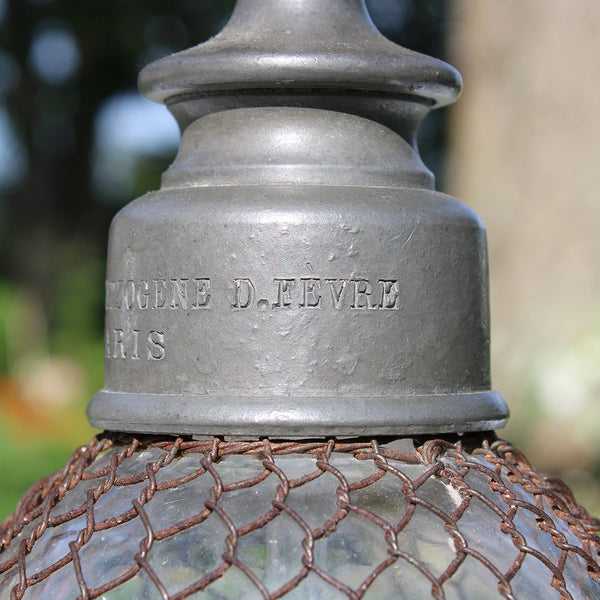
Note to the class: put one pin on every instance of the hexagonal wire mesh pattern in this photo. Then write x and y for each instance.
(173, 518)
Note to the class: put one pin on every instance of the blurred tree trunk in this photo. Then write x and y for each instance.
(526, 155)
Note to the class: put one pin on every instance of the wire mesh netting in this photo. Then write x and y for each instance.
(142, 517)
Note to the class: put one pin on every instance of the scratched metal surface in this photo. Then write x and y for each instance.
(296, 274)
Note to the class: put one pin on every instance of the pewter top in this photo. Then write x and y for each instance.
(296, 146)
(312, 44)
(296, 275)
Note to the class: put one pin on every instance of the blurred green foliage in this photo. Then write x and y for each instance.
(46, 378)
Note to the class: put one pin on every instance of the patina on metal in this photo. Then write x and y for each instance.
(297, 275)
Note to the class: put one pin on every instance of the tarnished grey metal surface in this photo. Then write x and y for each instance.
(296, 274)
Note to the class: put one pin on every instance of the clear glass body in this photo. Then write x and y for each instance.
(388, 523)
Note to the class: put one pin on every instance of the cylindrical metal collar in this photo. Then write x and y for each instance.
(296, 275)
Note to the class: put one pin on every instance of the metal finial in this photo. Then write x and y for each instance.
(296, 275)
(284, 46)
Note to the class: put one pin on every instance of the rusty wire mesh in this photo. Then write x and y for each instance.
(172, 518)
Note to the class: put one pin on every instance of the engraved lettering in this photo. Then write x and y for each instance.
(363, 294)
(143, 293)
(160, 286)
(284, 292)
(118, 344)
(311, 293)
(202, 296)
(193, 293)
(243, 293)
(389, 294)
(134, 354)
(337, 295)
(126, 296)
(179, 298)
(155, 349)
(175, 293)
(123, 343)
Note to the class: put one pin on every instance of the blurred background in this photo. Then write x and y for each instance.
(77, 142)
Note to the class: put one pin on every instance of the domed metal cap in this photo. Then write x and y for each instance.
(296, 275)
(330, 50)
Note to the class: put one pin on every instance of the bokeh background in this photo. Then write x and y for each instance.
(77, 142)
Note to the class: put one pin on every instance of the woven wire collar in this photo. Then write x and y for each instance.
(143, 517)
